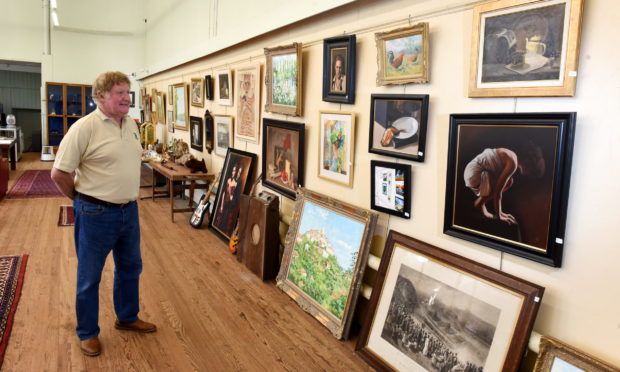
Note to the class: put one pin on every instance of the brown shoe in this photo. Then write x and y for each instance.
(91, 346)
(137, 326)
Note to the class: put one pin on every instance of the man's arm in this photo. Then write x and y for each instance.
(64, 182)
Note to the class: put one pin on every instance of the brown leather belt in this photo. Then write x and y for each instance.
(94, 200)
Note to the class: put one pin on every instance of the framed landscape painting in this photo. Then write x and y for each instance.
(223, 126)
(525, 48)
(390, 185)
(196, 132)
(508, 181)
(402, 55)
(336, 146)
(398, 125)
(248, 102)
(557, 356)
(224, 87)
(197, 92)
(339, 69)
(283, 156)
(283, 79)
(161, 107)
(324, 259)
(432, 310)
(180, 107)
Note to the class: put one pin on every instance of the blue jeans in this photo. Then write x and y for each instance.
(99, 230)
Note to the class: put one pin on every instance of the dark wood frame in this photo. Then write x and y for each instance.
(133, 99)
(406, 169)
(209, 87)
(300, 129)
(513, 131)
(340, 42)
(422, 118)
(195, 124)
(232, 155)
(531, 295)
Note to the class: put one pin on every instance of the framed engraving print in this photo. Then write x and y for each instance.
(283, 156)
(324, 259)
(402, 55)
(197, 92)
(339, 69)
(432, 310)
(283, 79)
(336, 146)
(223, 126)
(508, 180)
(180, 106)
(525, 48)
(248, 102)
(196, 132)
(390, 188)
(224, 87)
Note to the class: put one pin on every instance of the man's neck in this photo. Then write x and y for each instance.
(117, 119)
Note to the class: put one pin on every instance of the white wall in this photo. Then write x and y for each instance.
(21, 30)
(581, 305)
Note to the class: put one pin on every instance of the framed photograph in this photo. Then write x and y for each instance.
(283, 156)
(170, 121)
(235, 180)
(133, 99)
(161, 107)
(390, 185)
(224, 87)
(196, 131)
(398, 125)
(223, 125)
(402, 55)
(180, 106)
(209, 87)
(197, 92)
(336, 141)
(339, 69)
(324, 258)
(170, 95)
(556, 356)
(283, 79)
(508, 180)
(432, 310)
(248, 102)
(524, 48)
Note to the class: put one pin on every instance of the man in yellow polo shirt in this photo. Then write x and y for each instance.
(98, 166)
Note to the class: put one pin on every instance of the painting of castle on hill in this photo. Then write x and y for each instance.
(324, 257)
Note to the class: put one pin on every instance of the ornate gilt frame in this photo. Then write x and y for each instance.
(551, 348)
(382, 38)
(294, 48)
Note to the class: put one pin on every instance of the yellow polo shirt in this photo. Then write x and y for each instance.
(104, 156)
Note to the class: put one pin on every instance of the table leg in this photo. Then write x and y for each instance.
(192, 185)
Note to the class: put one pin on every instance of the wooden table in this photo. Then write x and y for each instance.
(176, 172)
(9, 146)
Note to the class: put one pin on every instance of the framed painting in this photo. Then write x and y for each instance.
(197, 92)
(524, 48)
(161, 107)
(154, 100)
(209, 131)
(336, 146)
(196, 132)
(390, 185)
(432, 310)
(180, 106)
(223, 125)
(283, 156)
(339, 69)
(235, 180)
(283, 79)
(170, 121)
(556, 356)
(248, 102)
(224, 87)
(508, 180)
(133, 99)
(398, 125)
(402, 55)
(170, 95)
(209, 87)
(325, 254)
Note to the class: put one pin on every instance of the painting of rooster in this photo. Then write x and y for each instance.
(404, 55)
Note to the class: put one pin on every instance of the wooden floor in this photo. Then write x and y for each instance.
(212, 313)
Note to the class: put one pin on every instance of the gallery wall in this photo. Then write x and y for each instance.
(581, 303)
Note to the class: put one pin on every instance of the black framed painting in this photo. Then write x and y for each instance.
(283, 156)
(235, 180)
(507, 181)
(398, 125)
(390, 185)
(208, 87)
(432, 310)
(339, 69)
(197, 132)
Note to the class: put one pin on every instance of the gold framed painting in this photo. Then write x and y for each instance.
(402, 55)
(283, 79)
(161, 107)
(525, 48)
(180, 107)
(197, 92)
(556, 356)
(248, 102)
(336, 146)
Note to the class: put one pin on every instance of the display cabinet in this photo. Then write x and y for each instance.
(66, 103)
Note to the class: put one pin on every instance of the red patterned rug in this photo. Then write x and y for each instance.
(66, 216)
(12, 269)
(34, 184)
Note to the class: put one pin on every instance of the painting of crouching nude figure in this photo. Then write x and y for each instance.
(439, 327)
(504, 182)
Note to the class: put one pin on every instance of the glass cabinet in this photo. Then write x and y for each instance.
(66, 103)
